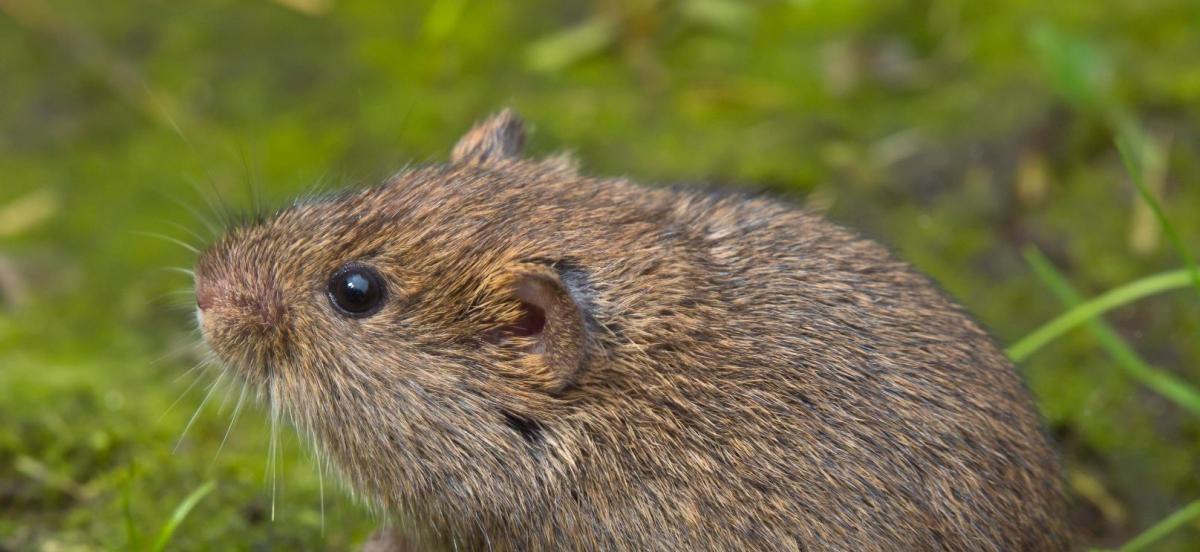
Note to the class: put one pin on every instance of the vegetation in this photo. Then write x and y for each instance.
(977, 138)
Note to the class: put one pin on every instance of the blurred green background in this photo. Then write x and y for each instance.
(959, 132)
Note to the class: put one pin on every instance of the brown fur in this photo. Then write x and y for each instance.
(714, 372)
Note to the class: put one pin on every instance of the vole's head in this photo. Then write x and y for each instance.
(427, 331)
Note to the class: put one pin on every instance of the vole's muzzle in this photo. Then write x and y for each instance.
(242, 315)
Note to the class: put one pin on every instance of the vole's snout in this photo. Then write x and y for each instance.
(204, 295)
(236, 308)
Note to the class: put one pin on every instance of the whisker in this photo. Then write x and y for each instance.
(189, 231)
(172, 297)
(196, 380)
(217, 206)
(320, 482)
(207, 359)
(179, 306)
(252, 180)
(196, 414)
(224, 208)
(173, 354)
(228, 392)
(196, 214)
(281, 478)
(272, 449)
(166, 114)
(316, 188)
(237, 409)
(180, 270)
(176, 300)
(165, 237)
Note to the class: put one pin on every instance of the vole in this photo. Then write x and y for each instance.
(515, 356)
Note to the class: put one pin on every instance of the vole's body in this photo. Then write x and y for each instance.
(712, 373)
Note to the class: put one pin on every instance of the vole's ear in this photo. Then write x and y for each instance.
(549, 325)
(500, 137)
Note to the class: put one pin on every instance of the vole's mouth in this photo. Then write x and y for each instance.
(246, 350)
(250, 371)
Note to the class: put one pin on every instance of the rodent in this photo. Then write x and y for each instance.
(513, 356)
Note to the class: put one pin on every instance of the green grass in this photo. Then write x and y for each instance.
(1132, 154)
(931, 126)
(1097, 306)
(181, 512)
(1180, 392)
(1163, 528)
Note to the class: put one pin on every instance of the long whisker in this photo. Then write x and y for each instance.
(174, 353)
(176, 298)
(180, 270)
(180, 306)
(281, 478)
(177, 292)
(165, 112)
(196, 414)
(217, 206)
(206, 360)
(273, 448)
(189, 231)
(225, 395)
(237, 410)
(252, 180)
(320, 483)
(196, 380)
(208, 223)
(181, 301)
(224, 208)
(167, 238)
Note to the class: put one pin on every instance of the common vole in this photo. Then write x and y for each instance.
(515, 356)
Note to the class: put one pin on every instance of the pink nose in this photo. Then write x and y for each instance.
(204, 296)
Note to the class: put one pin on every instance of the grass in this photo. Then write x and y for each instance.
(181, 512)
(926, 126)
(1180, 392)
(1095, 307)
(1175, 389)
(1132, 154)
(1163, 528)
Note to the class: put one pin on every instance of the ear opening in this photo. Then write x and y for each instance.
(532, 321)
(500, 137)
(550, 325)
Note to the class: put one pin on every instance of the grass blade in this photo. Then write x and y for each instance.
(1163, 528)
(1165, 384)
(1096, 306)
(1132, 154)
(1078, 67)
(132, 538)
(564, 48)
(181, 512)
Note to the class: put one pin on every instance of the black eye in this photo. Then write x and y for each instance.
(356, 290)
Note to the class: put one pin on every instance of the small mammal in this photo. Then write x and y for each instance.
(513, 356)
